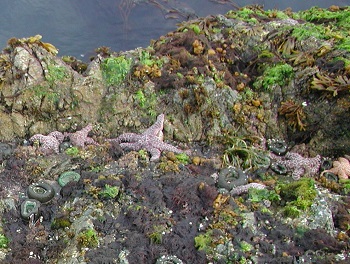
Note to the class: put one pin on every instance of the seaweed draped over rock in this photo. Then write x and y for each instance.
(215, 75)
(164, 218)
(249, 74)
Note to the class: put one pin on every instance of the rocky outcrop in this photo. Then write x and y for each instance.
(248, 73)
(225, 85)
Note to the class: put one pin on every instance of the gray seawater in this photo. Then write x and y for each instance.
(77, 27)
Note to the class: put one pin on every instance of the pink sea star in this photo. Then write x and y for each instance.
(299, 165)
(341, 167)
(80, 138)
(48, 144)
(151, 140)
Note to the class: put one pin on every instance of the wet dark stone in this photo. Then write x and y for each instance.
(5, 150)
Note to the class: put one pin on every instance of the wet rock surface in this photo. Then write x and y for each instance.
(228, 85)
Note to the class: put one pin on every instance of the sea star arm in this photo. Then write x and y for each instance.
(297, 173)
(155, 153)
(37, 137)
(76, 139)
(58, 135)
(293, 156)
(131, 146)
(127, 137)
(167, 147)
(90, 141)
(79, 138)
(156, 127)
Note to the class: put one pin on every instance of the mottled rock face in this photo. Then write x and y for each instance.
(270, 75)
(41, 93)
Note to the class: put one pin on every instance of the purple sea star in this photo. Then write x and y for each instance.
(299, 165)
(80, 138)
(48, 144)
(151, 140)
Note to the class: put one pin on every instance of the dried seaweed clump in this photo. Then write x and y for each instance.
(294, 114)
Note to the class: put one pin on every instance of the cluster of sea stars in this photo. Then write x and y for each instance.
(341, 167)
(298, 165)
(151, 140)
(50, 143)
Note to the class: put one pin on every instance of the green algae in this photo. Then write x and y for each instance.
(325, 24)
(344, 44)
(274, 13)
(245, 246)
(319, 15)
(183, 158)
(247, 14)
(109, 192)
(280, 74)
(62, 222)
(88, 238)
(147, 101)
(204, 241)
(304, 31)
(72, 151)
(298, 195)
(141, 98)
(40, 92)
(115, 69)
(194, 27)
(147, 59)
(4, 241)
(55, 73)
(256, 195)
(345, 184)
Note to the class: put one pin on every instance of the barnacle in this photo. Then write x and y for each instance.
(327, 83)
(294, 114)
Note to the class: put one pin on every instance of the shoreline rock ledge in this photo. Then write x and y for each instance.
(255, 106)
(268, 74)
